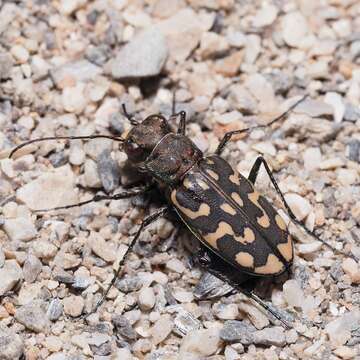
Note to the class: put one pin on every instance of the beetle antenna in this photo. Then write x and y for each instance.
(128, 116)
(229, 134)
(64, 138)
(278, 118)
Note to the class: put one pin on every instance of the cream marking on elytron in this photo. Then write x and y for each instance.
(234, 178)
(225, 229)
(204, 209)
(280, 222)
(273, 266)
(236, 197)
(264, 220)
(228, 209)
(213, 174)
(286, 249)
(245, 259)
(188, 184)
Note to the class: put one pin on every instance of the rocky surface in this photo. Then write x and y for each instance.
(66, 68)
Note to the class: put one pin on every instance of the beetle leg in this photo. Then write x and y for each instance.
(239, 281)
(129, 116)
(252, 178)
(96, 198)
(147, 221)
(226, 138)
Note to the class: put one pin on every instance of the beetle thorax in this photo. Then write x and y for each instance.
(173, 156)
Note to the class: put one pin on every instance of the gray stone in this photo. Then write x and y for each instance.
(10, 274)
(123, 327)
(161, 329)
(128, 284)
(108, 170)
(209, 287)
(2, 258)
(353, 150)
(55, 310)
(185, 322)
(270, 336)
(6, 64)
(49, 190)
(237, 331)
(20, 229)
(81, 70)
(33, 317)
(11, 344)
(352, 113)
(183, 32)
(143, 56)
(81, 283)
(32, 268)
(314, 108)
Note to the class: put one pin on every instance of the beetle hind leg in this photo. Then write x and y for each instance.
(252, 178)
(242, 282)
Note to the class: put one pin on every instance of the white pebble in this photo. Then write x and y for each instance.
(20, 53)
(146, 299)
(299, 205)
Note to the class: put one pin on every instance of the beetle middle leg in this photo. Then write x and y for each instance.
(252, 178)
(96, 198)
(147, 221)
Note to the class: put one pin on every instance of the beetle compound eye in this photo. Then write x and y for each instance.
(134, 151)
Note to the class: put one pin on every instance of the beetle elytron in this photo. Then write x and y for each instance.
(242, 236)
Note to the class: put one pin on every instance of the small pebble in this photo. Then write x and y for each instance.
(293, 293)
(175, 265)
(55, 310)
(143, 56)
(352, 269)
(270, 336)
(20, 53)
(11, 344)
(32, 268)
(161, 329)
(299, 205)
(10, 275)
(146, 298)
(73, 305)
(33, 317)
(237, 331)
(201, 342)
(20, 229)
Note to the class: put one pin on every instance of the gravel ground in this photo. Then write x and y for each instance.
(66, 67)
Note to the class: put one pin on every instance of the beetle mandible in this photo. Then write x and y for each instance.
(241, 235)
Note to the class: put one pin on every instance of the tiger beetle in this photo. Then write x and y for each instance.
(242, 237)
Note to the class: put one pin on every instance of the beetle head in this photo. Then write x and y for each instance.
(143, 137)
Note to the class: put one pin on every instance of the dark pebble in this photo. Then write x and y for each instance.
(237, 331)
(123, 327)
(108, 170)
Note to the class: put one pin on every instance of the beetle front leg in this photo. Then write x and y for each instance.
(147, 221)
(252, 178)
